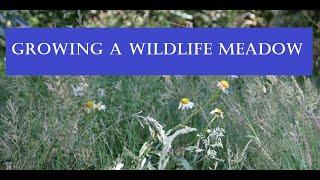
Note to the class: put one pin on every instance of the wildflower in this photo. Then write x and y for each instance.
(185, 103)
(80, 90)
(99, 106)
(217, 133)
(217, 112)
(119, 166)
(223, 85)
(209, 143)
(211, 153)
(90, 105)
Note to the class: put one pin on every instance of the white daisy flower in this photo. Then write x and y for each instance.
(89, 105)
(119, 166)
(223, 85)
(217, 112)
(100, 106)
(185, 103)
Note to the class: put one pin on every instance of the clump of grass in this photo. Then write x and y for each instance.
(269, 122)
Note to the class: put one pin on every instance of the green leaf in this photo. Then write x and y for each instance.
(184, 163)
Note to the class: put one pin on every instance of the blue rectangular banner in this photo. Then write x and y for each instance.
(158, 51)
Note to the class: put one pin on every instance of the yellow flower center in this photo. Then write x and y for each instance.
(218, 111)
(89, 104)
(185, 101)
(225, 84)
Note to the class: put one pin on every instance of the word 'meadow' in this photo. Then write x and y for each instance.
(156, 49)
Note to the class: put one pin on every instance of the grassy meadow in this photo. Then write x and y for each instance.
(134, 122)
